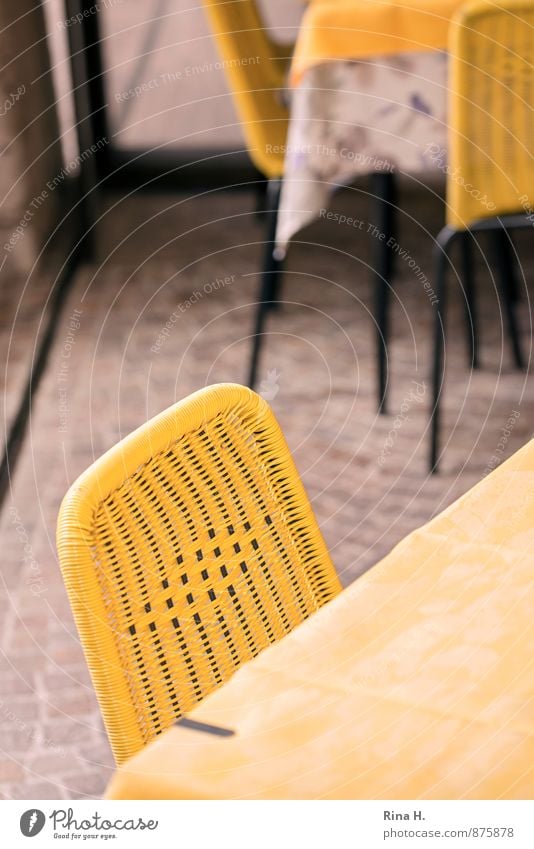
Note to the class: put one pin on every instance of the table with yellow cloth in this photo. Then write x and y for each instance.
(368, 92)
(415, 683)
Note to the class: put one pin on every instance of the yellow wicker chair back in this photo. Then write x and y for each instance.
(186, 550)
(255, 66)
(491, 117)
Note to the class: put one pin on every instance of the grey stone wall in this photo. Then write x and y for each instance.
(30, 152)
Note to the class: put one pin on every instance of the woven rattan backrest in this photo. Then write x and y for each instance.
(186, 550)
(491, 117)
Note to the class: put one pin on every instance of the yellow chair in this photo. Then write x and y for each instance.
(491, 166)
(187, 549)
(256, 67)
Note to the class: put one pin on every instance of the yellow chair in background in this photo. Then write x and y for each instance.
(256, 67)
(491, 166)
(187, 549)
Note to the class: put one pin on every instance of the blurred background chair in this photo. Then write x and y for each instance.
(186, 549)
(490, 137)
(256, 67)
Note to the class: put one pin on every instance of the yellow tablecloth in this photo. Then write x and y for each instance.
(416, 682)
(359, 29)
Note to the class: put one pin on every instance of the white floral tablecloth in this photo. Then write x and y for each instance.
(352, 118)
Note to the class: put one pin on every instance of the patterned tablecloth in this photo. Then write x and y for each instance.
(352, 118)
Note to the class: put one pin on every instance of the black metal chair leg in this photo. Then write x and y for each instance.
(470, 306)
(505, 263)
(383, 189)
(382, 338)
(270, 277)
(506, 245)
(438, 370)
(261, 198)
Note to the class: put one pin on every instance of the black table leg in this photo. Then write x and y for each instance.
(383, 190)
(270, 278)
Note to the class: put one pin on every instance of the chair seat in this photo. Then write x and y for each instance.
(413, 683)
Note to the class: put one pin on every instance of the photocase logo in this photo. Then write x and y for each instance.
(32, 822)
(269, 387)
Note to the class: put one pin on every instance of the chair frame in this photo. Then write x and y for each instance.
(500, 226)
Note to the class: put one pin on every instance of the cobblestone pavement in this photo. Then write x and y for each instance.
(111, 368)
